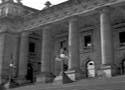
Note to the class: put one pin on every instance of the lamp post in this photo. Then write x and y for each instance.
(62, 55)
(65, 77)
(11, 67)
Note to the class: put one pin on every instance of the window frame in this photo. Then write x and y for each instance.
(87, 32)
(121, 44)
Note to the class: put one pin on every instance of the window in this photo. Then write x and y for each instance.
(122, 38)
(63, 44)
(32, 47)
(87, 41)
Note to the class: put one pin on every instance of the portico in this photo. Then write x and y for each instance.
(90, 32)
(72, 28)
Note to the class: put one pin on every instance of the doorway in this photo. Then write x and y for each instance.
(123, 66)
(29, 75)
(90, 69)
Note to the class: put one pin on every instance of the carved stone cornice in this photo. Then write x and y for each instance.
(63, 11)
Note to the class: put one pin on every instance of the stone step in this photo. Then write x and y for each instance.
(114, 83)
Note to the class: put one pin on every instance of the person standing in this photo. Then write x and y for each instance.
(30, 73)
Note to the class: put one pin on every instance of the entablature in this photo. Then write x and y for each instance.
(64, 11)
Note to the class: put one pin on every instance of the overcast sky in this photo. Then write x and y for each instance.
(39, 4)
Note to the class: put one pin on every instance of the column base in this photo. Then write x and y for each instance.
(62, 79)
(75, 74)
(107, 71)
(45, 77)
(21, 80)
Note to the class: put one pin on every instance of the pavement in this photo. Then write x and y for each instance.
(113, 83)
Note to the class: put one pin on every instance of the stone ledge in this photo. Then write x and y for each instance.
(74, 75)
(107, 71)
(63, 78)
(45, 77)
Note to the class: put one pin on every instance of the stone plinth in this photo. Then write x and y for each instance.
(107, 71)
(45, 77)
(63, 78)
(74, 75)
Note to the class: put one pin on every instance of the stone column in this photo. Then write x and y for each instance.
(106, 37)
(2, 48)
(47, 56)
(46, 51)
(23, 55)
(74, 57)
(106, 41)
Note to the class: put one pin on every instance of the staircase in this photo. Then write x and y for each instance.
(113, 83)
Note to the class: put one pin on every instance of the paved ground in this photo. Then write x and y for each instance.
(115, 83)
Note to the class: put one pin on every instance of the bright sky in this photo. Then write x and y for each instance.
(39, 4)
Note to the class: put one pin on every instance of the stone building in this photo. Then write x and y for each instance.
(90, 32)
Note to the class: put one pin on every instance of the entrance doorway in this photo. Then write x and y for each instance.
(90, 69)
(29, 75)
(34, 57)
(123, 66)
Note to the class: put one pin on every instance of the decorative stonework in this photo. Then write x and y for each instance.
(61, 11)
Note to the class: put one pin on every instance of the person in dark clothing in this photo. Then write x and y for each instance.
(30, 72)
(65, 67)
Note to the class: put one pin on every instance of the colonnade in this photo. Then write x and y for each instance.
(73, 43)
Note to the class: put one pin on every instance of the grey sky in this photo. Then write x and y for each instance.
(39, 4)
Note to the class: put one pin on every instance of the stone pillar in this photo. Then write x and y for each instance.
(23, 55)
(106, 42)
(74, 55)
(46, 51)
(2, 48)
(47, 56)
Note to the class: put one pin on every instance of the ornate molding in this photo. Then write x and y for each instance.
(62, 11)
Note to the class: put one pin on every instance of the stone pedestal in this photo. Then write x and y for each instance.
(63, 78)
(58, 80)
(107, 71)
(74, 75)
(45, 77)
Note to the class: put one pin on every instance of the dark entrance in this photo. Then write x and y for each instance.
(29, 72)
(123, 66)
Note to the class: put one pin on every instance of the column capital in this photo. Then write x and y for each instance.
(47, 27)
(105, 9)
(48, 30)
(25, 33)
(74, 19)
